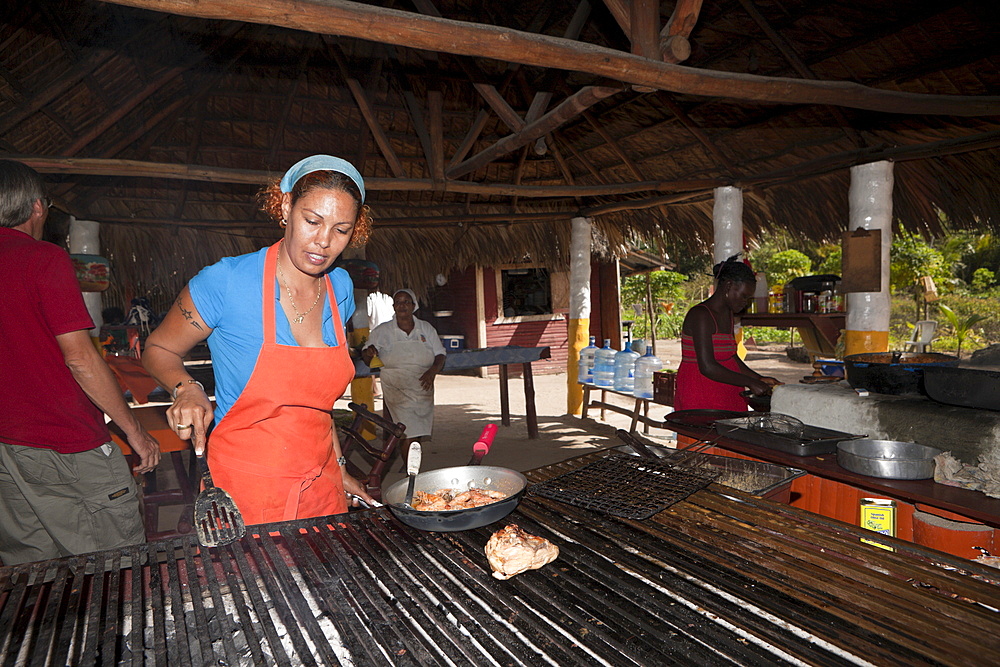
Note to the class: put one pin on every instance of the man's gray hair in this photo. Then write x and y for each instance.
(20, 186)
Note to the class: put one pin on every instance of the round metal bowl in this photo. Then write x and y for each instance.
(889, 459)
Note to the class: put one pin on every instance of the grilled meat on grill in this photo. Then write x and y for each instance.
(512, 551)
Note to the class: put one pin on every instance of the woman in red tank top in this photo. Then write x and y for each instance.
(711, 374)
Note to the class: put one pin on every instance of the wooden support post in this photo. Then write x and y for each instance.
(529, 401)
(504, 396)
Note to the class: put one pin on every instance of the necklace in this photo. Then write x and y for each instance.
(299, 317)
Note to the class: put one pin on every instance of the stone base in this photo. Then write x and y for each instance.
(965, 432)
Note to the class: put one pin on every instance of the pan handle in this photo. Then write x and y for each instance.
(482, 446)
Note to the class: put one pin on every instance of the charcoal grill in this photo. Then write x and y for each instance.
(720, 578)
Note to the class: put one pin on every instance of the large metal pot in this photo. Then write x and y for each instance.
(965, 387)
(461, 478)
(888, 459)
(892, 372)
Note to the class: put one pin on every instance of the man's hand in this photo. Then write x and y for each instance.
(148, 450)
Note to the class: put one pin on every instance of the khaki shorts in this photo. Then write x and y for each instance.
(54, 505)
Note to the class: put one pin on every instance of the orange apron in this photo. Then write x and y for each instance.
(273, 450)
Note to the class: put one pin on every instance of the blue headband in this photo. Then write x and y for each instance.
(322, 163)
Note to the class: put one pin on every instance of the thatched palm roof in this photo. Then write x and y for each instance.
(482, 132)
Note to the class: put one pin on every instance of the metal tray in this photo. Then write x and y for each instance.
(812, 441)
(755, 477)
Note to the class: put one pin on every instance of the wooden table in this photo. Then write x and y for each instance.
(503, 357)
(822, 328)
(640, 412)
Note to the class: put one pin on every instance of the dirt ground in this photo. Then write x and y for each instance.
(464, 405)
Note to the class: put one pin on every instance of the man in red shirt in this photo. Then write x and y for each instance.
(65, 487)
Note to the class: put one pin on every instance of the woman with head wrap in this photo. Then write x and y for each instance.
(412, 355)
(711, 374)
(274, 322)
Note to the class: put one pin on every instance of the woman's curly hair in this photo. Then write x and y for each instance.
(734, 270)
(270, 200)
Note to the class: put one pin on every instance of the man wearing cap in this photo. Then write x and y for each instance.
(65, 487)
(273, 321)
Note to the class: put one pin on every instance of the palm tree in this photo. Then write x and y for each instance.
(960, 327)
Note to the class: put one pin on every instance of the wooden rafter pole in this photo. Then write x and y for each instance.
(367, 111)
(564, 111)
(470, 138)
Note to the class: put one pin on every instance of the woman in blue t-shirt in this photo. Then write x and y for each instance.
(274, 322)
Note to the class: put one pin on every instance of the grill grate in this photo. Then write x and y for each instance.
(626, 486)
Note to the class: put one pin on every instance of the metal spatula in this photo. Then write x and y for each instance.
(216, 516)
(412, 468)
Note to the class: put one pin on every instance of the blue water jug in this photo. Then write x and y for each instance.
(604, 365)
(585, 368)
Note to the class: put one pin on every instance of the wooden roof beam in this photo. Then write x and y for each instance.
(365, 107)
(640, 21)
(799, 66)
(170, 171)
(391, 26)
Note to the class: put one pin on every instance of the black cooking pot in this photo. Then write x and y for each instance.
(965, 387)
(892, 372)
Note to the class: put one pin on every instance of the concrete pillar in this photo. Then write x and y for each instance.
(870, 201)
(727, 221)
(579, 308)
(85, 239)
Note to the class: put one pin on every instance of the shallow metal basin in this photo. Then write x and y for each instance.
(889, 459)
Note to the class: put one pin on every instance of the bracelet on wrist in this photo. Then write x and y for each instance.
(342, 461)
(181, 384)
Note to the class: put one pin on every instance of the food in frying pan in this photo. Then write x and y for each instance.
(511, 551)
(453, 499)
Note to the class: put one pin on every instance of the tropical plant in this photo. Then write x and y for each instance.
(960, 327)
(785, 265)
(982, 279)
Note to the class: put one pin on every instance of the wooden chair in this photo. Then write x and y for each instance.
(353, 442)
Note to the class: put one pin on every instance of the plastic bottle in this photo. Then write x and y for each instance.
(645, 366)
(585, 372)
(624, 369)
(604, 365)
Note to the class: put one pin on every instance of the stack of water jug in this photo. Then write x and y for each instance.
(623, 371)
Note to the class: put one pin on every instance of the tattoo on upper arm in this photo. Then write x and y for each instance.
(188, 315)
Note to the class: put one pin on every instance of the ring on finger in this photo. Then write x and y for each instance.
(180, 426)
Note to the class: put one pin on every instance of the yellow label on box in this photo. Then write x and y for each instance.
(879, 515)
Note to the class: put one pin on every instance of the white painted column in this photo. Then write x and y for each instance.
(85, 239)
(727, 222)
(870, 201)
(579, 307)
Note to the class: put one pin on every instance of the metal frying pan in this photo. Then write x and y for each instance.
(490, 478)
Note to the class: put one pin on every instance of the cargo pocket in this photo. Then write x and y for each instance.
(115, 520)
(46, 467)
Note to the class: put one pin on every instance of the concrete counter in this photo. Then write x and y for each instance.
(965, 432)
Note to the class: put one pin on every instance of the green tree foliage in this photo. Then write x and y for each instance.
(665, 287)
(911, 258)
(830, 259)
(982, 279)
(785, 265)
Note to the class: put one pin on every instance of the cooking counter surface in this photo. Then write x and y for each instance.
(719, 578)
